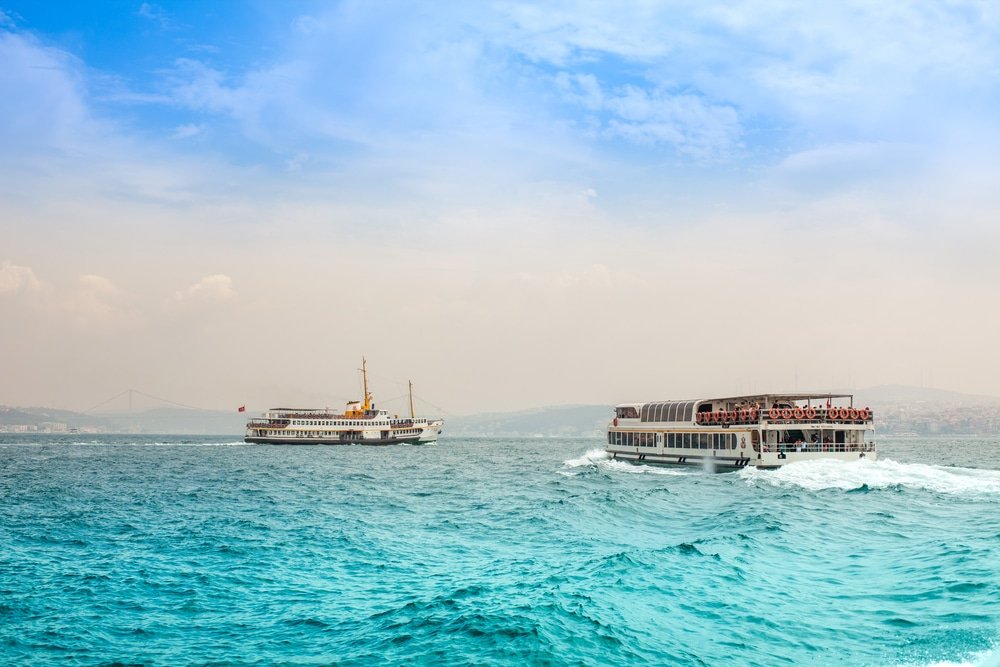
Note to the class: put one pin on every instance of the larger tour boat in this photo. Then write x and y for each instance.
(359, 424)
(764, 430)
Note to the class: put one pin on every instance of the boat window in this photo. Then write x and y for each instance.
(661, 412)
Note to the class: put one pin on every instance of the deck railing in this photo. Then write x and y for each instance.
(789, 448)
(799, 415)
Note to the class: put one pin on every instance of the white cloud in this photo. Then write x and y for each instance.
(214, 288)
(187, 131)
(155, 13)
(15, 279)
(41, 89)
(99, 304)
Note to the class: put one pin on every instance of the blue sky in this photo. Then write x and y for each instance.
(552, 160)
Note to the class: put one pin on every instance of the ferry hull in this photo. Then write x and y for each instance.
(334, 441)
(427, 436)
(763, 461)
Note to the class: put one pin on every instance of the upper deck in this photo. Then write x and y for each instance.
(753, 410)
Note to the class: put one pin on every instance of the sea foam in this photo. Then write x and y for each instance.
(598, 458)
(886, 473)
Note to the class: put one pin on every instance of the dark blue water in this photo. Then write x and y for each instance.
(167, 551)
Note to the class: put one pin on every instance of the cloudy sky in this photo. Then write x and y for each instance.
(514, 204)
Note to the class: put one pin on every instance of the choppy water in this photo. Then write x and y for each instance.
(173, 551)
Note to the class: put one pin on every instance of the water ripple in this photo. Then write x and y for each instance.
(158, 551)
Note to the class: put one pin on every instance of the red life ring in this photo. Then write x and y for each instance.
(832, 413)
(854, 413)
(786, 413)
(866, 414)
(753, 414)
(615, 421)
(773, 413)
(810, 413)
(799, 413)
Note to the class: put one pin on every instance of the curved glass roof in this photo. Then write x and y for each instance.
(667, 411)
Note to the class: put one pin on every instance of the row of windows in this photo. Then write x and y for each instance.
(305, 434)
(674, 440)
(669, 411)
(321, 422)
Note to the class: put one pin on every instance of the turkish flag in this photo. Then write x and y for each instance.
(243, 408)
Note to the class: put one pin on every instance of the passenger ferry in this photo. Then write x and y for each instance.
(763, 430)
(360, 424)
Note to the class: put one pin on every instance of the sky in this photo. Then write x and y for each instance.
(513, 204)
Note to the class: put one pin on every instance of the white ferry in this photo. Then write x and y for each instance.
(360, 424)
(764, 430)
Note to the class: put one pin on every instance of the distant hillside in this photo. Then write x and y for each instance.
(898, 409)
(52, 419)
(158, 420)
(556, 421)
(181, 421)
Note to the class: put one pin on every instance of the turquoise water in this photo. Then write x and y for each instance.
(166, 551)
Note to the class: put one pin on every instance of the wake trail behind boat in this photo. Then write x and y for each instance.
(886, 473)
(600, 459)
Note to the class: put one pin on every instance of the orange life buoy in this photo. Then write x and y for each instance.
(773, 413)
(799, 413)
(853, 413)
(832, 413)
(753, 414)
(786, 413)
(866, 414)
(810, 413)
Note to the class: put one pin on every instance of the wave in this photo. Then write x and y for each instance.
(886, 473)
(591, 458)
(600, 459)
(990, 658)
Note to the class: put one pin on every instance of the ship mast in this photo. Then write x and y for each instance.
(412, 413)
(364, 374)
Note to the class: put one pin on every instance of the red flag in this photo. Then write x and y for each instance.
(243, 408)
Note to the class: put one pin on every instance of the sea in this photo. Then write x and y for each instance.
(166, 550)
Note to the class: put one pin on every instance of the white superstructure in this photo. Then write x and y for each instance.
(359, 424)
(763, 430)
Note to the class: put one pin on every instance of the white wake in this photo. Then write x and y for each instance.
(598, 458)
(886, 473)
